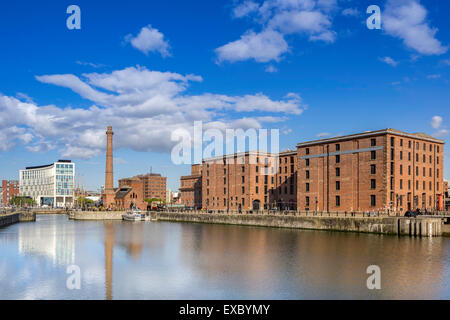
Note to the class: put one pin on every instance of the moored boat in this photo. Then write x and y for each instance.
(132, 215)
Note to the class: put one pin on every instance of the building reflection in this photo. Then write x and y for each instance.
(55, 241)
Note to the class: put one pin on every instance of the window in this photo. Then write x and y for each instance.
(401, 155)
(401, 142)
(437, 173)
(373, 200)
(243, 169)
(338, 172)
(256, 179)
(291, 189)
(338, 185)
(307, 162)
(373, 142)
(392, 141)
(409, 170)
(409, 156)
(437, 160)
(338, 201)
(401, 184)
(256, 190)
(423, 171)
(257, 169)
(409, 144)
(266, 179)
(409, 184)
(373, 184)
(338, 147)
(243, 190)
(307, 187)
(437, 149)
(307, 201)
(373, 169)
(401, 169)
(373, 155)
(392, 154)
(243, 202)
(292, 159)
(243, 179)
(392, 168)
(424, 147)
(224, 180)
(307, 150)
(224, 190)
(338, 159)
(307, 174)
(417, 157)
(292, 168)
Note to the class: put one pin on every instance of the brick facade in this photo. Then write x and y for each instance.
(249, 181)
(9, 190)
(378, 170)
(191, 188)
(386, 169)
(137, 189)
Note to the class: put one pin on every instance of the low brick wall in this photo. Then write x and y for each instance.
(381, 225)
(96, 215)
(9, 219)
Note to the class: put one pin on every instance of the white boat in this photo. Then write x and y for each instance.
(132, 215)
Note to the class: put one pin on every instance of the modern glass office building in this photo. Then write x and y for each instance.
(51, 185)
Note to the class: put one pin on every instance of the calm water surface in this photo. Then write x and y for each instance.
(158, 260)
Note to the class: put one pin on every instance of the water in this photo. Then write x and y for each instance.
(159, 260)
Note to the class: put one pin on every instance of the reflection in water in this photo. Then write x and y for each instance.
(55, 242)
(109, 250)
(198, 261)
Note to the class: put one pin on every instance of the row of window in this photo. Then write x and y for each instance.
(373, 201)
(424, 158)
(424, 145)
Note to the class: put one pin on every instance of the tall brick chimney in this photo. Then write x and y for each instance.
(108, 197)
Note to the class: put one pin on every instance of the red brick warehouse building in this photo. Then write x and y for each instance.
(385, 169)
(191, 188)
(10, 189)
(137, 189)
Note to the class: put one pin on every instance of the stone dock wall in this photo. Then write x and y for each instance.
(9, 219)
(96, 215)
(421, 227)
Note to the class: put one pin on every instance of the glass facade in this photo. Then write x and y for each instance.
(53, 184)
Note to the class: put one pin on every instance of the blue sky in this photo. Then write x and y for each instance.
(310, 68)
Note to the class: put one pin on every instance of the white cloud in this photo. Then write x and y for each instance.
(277, 18)
(433, 76)
(144, 107)
(436, 122)
(149, 40)
(350, 12)
(389, 61)
(245, 8)
(90, 64)
(271, 69)
(262, 47)
(441, 133)
(446, 62)
(323, 134)
(407, 20)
